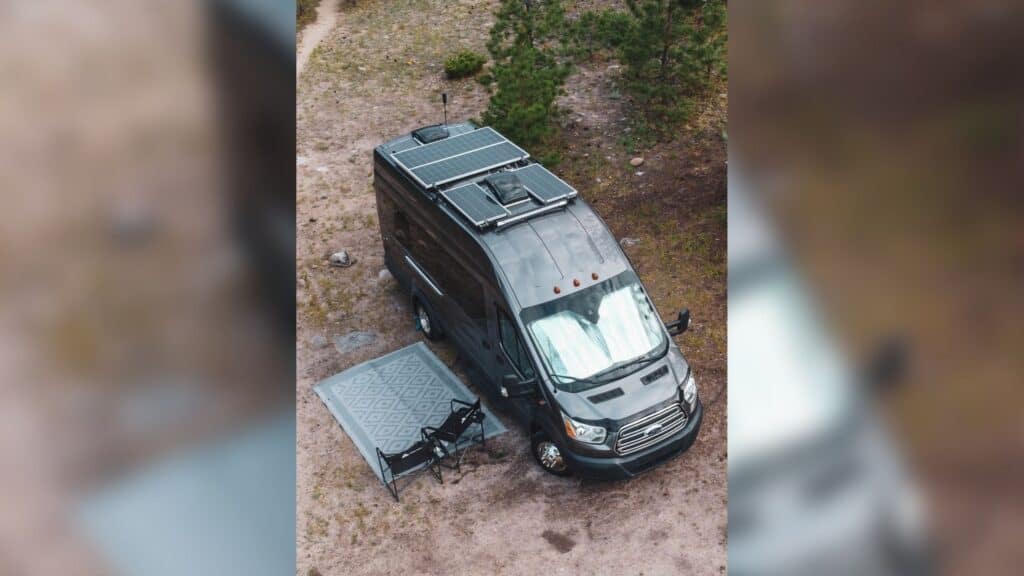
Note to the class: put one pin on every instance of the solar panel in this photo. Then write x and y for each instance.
(458, 156)
(544, 185)
(456, 167)
(448, 147)
(404, 145)
(475, 204)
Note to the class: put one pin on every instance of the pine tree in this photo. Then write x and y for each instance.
(527, 75)
(709, 40)
(673, 50)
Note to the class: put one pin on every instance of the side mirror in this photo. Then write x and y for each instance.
(680, 324)
(513, 387)
(887, 367)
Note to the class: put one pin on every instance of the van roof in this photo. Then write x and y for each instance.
(554, 250)
(551, 238)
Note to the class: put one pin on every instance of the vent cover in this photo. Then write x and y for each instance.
(654, 375)
(605, 396)
(429, 134)
(506, 187)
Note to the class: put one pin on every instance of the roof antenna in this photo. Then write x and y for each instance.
(444, 103)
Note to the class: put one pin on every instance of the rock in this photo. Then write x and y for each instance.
(629, 241)
(318, 342)
(383, 276)
(341, 259)
(354, 340)
(322, 169)
(301, 160)
(635, 162)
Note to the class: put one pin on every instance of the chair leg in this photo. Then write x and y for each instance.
(392, 487)
(458, 457)
(436, 470)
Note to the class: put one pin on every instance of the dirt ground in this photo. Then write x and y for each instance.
(379, 74)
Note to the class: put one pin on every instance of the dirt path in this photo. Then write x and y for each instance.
(313, 34)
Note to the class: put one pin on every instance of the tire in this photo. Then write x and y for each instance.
(541, 442)
(426, 322)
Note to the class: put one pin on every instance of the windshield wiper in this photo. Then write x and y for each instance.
(645, 359)
(596, 377)
(570, 378)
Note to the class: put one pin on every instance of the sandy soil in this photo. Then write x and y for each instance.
(378, 74)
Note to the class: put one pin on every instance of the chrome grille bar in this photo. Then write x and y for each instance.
(633, 436)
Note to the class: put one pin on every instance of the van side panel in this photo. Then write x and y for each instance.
(414, 228)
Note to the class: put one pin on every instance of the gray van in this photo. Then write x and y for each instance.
(506, 260)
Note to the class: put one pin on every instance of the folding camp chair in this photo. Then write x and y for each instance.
(424, 454)
(458, 421)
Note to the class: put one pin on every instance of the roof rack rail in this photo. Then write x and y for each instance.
(544, 209)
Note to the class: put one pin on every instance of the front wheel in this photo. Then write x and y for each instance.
(548, 454)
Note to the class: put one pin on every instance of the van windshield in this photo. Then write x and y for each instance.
(589, 335)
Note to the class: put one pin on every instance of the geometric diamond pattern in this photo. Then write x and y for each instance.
(383, 403)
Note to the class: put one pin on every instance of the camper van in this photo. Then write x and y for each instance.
(505, 260)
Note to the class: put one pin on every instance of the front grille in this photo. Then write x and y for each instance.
(650, 429)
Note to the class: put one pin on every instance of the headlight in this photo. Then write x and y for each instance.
(583, 432)
(689, 388)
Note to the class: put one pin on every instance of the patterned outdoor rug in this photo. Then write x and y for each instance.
(385, 402)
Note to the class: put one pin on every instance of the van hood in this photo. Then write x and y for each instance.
(603, 405)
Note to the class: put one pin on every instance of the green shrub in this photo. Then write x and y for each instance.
(463, 63)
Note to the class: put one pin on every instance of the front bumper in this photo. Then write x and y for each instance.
(618, 468)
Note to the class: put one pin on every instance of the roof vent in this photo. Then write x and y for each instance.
(429, 134)
(507, 187)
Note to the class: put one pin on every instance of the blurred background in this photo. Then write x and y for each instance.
(146, 303)
(875, 278)
(876, 260)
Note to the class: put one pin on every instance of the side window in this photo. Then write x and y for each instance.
(512, 346)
